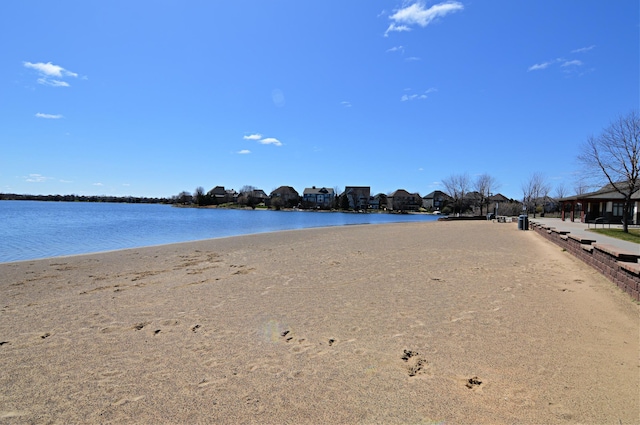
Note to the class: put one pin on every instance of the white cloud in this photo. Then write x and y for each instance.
(407, 97)
(539, 66)
(396, 49)
(418, 14)
(98, 184)
(244, 152)
(263, 141)
(36, 178)
(52, 82)
(572, 63)
(396, 28)
(412, 59)
(256, 136)
(583, 49)
(568, 65)
(270, 141)
(346, 104)
(50, 69)
(51, 75)
(417, 96)
(49, 116)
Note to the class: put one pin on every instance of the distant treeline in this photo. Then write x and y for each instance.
(78, 198)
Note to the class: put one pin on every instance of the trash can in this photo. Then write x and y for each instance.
(523, 222)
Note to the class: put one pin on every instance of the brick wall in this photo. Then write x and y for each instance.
(620, 267)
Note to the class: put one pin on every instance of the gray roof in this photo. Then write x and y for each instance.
(317, 191)
(604, 193)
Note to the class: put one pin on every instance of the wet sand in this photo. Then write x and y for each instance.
(423, 323)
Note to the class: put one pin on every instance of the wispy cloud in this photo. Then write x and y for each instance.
(571, 63)
(417, 96)
(49, 116)
(563, 63)
(412, 59)
(396, 49)
(255, 136)
(50, 74)
(408, 97)
(539, 66)
(98, 184)
(568, 66)
(346, 103)
(244, 152)
(583, 49)
(51, 82)
(37, 178)
(418, 14)
(396, 28)
(270, 141)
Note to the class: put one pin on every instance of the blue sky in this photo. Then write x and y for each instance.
(150, 98)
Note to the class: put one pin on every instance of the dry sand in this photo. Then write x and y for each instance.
(422, 323)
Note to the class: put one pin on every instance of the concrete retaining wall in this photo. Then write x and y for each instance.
(620, 267)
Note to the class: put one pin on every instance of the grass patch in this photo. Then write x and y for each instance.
(632, 236)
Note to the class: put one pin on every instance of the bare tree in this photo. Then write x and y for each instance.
(457, 186)
(535, 191)
(246, 197)
(615, 153)
(484, 184)
(247, 189)
(184, 198)
(335, 202)
(584, 183)
(561, 191)
(199, 196)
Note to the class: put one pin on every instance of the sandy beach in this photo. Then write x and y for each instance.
(414, 323)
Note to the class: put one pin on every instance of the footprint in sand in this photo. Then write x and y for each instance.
(140, 326)
(299, 345)
(416, 365)
(286, 336)
(473, 383)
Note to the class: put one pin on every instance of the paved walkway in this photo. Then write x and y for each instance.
(582, 230)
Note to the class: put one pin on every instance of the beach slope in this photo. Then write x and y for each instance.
(456, 322)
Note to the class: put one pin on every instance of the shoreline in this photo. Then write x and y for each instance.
(405, 322)
(57, 257)
(75, 242)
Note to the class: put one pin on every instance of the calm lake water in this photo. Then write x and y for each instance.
(32, 229)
